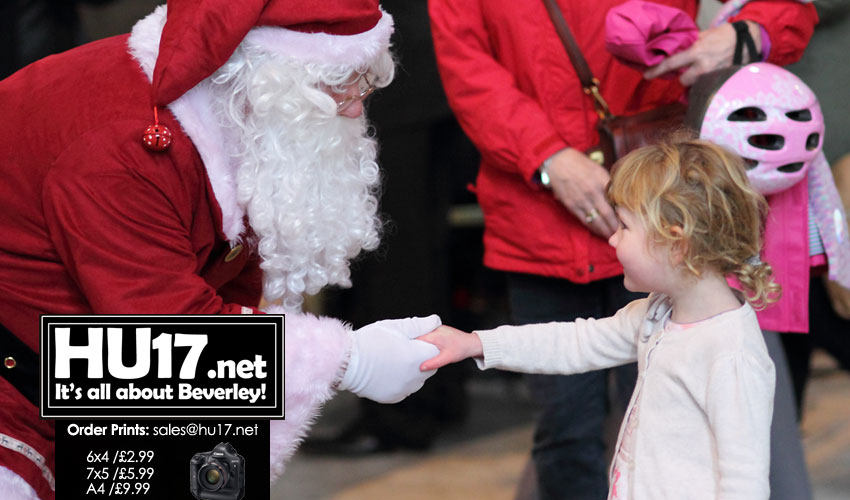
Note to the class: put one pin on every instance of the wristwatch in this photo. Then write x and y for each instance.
(543, 173)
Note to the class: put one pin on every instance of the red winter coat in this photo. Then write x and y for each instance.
(516, 95)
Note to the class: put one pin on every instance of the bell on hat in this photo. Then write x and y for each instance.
(157, 137)
(764, 113)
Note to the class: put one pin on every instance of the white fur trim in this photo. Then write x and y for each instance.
(14, 487)
(144, 40)
(339, 50)
(315, 350)
(192, 110)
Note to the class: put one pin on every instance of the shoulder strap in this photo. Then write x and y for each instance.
(588, 82)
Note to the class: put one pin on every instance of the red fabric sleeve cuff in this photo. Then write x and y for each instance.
(538, 154)
(789, 25)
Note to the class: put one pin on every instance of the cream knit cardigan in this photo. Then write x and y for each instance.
(706, 393)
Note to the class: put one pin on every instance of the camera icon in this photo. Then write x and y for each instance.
(218, 474)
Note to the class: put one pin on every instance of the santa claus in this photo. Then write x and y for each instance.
(216, 154)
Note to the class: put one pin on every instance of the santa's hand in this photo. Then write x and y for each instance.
(384, 362)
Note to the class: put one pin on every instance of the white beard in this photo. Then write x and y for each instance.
(306, 177)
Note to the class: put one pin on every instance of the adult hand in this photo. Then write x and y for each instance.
(839, 297)
(384, 362)
(714, 49)
(579, 184)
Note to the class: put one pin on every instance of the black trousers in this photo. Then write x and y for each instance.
(827, 331)
(569, 451)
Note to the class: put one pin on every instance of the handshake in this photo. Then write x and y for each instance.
(388, 362)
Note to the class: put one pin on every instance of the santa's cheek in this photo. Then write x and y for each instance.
(354, 110)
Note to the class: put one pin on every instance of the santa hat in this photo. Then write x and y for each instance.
(200, 36)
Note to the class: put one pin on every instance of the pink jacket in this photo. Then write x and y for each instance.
(787, 245)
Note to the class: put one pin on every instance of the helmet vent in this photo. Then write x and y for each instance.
(800, 115)
(812, 141)
(771, 142)
(791, 168)
(747, 115)
(750, 164)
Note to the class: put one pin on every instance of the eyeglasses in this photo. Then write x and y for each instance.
(365, 90)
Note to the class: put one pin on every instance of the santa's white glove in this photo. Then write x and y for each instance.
(384, 362)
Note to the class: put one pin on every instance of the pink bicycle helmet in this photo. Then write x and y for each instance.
(765, 114)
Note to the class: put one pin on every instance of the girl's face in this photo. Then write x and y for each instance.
(647, 266)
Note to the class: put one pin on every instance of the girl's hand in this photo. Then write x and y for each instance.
(454, 346)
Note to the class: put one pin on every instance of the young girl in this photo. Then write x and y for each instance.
(698, 423)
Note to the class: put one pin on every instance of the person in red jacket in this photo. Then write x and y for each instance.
(515, 93)
(265, 186)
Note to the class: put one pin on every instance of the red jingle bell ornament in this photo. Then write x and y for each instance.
(157, 137)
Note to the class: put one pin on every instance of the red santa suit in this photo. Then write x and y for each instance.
(96, 223)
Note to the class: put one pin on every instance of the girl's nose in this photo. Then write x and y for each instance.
(612, 240)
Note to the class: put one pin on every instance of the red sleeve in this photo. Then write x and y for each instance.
(509, 128)
(121, 222)
(789, 24)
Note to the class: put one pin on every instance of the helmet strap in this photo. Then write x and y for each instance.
(743, 37)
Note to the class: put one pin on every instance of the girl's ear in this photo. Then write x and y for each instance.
(679, 247)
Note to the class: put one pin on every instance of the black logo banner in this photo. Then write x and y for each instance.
(162, 366)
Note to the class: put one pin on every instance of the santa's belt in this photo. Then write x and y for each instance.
(30, 453)
(20, 365)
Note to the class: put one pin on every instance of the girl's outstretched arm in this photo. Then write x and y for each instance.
(454, 346)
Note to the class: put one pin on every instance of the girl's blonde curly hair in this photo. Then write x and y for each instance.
(695, 195)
